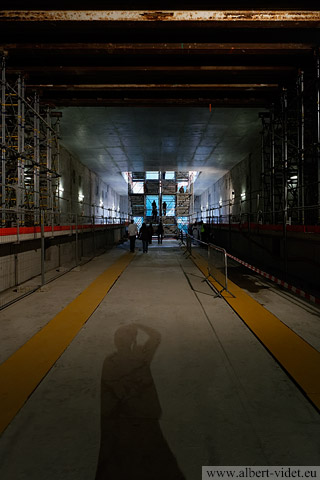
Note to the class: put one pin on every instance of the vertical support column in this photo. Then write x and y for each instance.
(57, 139)
(318, 124)
(23, 133)
(20, 187)
(285, 173)
(49, 164)
(301, 148)
(272, 167)
(77, 241)
(42, 248)
(36, 158)
(3, 141)
(263, 173)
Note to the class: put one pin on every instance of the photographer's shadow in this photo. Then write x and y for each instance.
(132, 444)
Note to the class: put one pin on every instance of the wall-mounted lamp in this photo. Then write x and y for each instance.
(243, 196)
(81, 197)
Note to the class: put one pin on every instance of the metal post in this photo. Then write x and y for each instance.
(93, 233)
(263, 175)
(58, 166)
(49, 163)
(272, 165)
(36, 168)
(226, 268)
(16, 269)
(20, 166)
(77, 240)
(318, 127)
(3, 140)
(42, 248)
(301, 149)
(285, 173)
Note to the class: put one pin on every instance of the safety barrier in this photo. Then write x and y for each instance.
(217, 259)
(218, 265)
(31, 256)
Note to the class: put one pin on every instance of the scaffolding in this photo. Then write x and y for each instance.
(176, 191)
(290, 153)
(29, 156)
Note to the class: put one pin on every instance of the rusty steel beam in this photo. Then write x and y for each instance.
(296, 17)
(159, 86)
(149, 68)
(161, 48)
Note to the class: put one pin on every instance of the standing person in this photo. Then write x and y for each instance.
(150, 233)
(154, 211)
(132, 232)
(160, 232)
(164, 208)
(144, 236)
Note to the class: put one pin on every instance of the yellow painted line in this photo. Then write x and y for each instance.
(297, 357)
(24, 370)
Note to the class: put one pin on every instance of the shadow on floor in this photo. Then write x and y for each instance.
(132, 444)
(240, 276)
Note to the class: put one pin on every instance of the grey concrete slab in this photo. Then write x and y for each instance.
(23, 319)
(222, 399)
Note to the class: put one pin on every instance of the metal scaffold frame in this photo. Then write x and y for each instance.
(290, 161)
(161, 187)
(29, 156)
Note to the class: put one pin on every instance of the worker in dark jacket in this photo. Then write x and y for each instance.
(144, 236)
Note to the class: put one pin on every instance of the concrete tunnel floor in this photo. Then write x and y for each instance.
(197, 388)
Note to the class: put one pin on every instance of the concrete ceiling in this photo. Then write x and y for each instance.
(111, 140)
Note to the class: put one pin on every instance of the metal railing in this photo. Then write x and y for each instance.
(31, 256)
(217, 258)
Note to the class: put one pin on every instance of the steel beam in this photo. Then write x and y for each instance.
(46, 69)
(159, 86)
(249, 17)
(234, 48)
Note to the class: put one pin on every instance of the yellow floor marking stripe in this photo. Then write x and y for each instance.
(297, 357)
(24, 370)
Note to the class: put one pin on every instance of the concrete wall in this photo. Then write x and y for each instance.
(237, 192)
(22, 262)
(76, 179)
